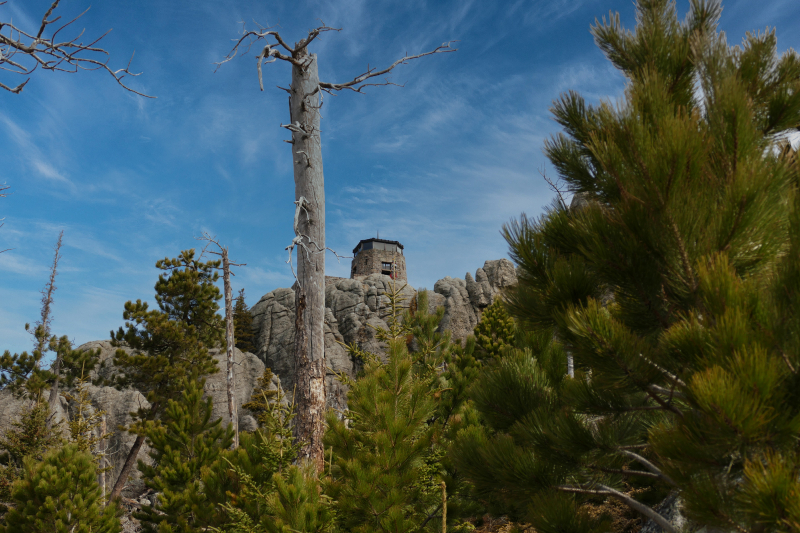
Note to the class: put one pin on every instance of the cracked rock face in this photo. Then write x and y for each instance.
(354, 308)
(119, 404)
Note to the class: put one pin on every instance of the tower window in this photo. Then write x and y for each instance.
(386, 266)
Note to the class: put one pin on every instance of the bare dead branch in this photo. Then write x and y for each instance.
(556, 187)
(357, 83)
(213, 240)
(298, 56)
(648, 465)
(250, 37)
(313, 34)
(22, 52)
(604, 490)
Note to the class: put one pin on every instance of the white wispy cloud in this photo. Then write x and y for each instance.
(14, 262)
(30, 152)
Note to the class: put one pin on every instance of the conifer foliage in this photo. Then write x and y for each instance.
(60, 495)
(169, 344)
(673, 285)
(388, 452)
(27, 437)
(243, 325)
(184, 443)
(495, 331)
(257, 488)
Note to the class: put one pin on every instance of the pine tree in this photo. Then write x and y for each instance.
(60, 495)
(388, 454)
(672, 283)
(184, 444)
(28, 437)
(379, 451)
(87, 427)
(243, 325)
(169, 344)
(257, 488)
(495, 331)
(35, 431)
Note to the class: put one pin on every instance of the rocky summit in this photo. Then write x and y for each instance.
(355, 307)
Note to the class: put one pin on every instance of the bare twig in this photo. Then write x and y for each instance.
(22, 52)
(357, 83)
(556, 187)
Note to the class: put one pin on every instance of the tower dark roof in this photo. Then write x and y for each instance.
(384, 241)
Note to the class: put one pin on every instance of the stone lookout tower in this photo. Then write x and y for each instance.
(378, 256)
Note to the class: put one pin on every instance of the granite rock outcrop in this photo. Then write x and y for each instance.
(118, 405)
(354, 308)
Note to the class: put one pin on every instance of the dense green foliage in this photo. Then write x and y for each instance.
(257, 488)
(23, 374)
(171, 343)
(27, 437)
(243, 324)
(59, 494)
(389, 449)
(673, 285)
(184, 443)
(379, 454)
(495, 331)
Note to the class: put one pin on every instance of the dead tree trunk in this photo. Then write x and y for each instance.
(229, 339)
(42, 334)
(103, 460)
(305, 101)
(226, 279)
(309, 192)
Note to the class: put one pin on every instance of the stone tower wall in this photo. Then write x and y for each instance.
(368, 262)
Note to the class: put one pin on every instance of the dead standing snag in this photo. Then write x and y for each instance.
(229, 340)
(305, 101)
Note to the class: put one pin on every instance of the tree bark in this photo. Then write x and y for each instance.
(126, 469)
(53, 402)
(310, 295)
(103, 460)
(226, 278)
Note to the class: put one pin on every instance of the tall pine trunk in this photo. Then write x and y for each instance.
(309, 346)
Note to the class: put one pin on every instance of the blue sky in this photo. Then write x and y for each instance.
(439, 164)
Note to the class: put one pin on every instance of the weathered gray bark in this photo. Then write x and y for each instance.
(310, 295)
(103, 461)
(53, 398)
(231, 379)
